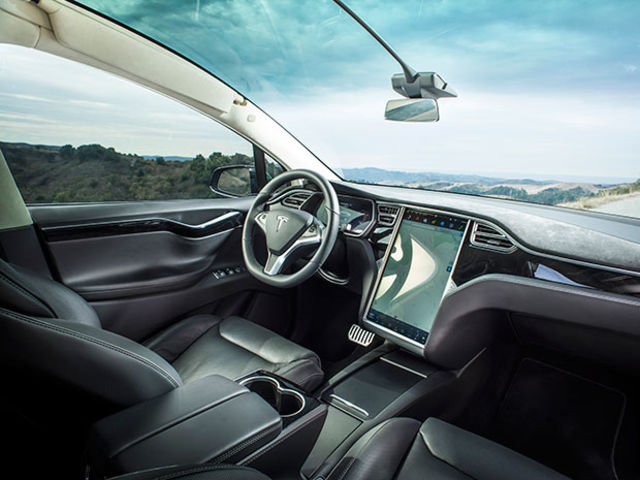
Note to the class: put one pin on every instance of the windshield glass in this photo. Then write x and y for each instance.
(548, 107)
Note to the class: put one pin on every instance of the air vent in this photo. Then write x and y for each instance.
(294, 200)
(484, 236)
(387, 215)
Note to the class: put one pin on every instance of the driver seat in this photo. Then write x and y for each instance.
(49, 330)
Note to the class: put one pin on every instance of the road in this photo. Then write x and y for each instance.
(630, 207)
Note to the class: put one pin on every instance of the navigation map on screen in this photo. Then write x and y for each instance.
(417, 273)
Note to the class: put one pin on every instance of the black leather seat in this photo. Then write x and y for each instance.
(405, 449)
(233, 347)
(47, 328)
(400, 449)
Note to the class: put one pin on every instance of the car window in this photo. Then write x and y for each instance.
(547, 110)
(67, 139)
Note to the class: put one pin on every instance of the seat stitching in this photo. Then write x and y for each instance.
(307, 380)
(26, 292)
(246, 443)
(146, 362)
(306, 356)
(288, 367)
(162, 336)
(200, 469)
(244, 347)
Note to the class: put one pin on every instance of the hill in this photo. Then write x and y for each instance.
(96, 173)
(49, 173)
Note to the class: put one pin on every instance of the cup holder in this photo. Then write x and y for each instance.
(285, 401)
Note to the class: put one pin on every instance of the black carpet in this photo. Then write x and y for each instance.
(561, 420)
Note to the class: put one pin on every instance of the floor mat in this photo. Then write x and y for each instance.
(564, 421)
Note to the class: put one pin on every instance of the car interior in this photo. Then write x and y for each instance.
(316, 329)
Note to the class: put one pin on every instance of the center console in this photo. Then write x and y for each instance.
(211, 420)
(385, 383)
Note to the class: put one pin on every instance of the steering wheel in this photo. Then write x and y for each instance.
(288, 230)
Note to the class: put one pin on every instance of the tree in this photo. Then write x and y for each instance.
(89, 152)
(197, 164)
(160, 161)
(67, 151)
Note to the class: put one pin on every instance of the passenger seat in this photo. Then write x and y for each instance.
(402, 449)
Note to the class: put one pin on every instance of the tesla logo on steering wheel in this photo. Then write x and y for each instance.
(281, 219)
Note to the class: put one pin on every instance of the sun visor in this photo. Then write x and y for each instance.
(16, 30)
(127, 52)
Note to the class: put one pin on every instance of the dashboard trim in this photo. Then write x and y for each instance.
(597, 238)
(221, 223)
(519, 245)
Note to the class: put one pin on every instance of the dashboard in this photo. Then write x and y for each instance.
(425, 255)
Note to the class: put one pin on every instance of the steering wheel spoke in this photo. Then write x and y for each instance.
(274, 264)
(310, 237)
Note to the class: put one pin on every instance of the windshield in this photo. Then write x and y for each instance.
(548, 107)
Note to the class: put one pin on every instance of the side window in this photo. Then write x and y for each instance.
(72, 133)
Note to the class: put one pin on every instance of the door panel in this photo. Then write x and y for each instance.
(139, 263)
(143, 265)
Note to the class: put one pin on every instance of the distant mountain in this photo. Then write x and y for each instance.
(379, 175)
(548, 192)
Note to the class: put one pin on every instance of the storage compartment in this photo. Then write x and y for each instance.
(368, 391)
(385, 385)
(285, 401)
(211, 420)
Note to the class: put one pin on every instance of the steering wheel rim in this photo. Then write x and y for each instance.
(298, 229)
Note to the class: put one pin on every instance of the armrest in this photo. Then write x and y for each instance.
(210, 420)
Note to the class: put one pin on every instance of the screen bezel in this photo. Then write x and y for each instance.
(384, 331)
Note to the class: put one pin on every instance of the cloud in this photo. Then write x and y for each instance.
(89, 103)
(27, 97)
(544, 86)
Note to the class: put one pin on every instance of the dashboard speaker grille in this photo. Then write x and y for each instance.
(387, 214)
(485, 236)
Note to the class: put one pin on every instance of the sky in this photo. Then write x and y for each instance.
(546, 89)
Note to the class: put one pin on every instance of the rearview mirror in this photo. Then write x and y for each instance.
(412, 110)
(234, 181)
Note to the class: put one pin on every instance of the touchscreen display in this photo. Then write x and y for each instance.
(417, 273)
